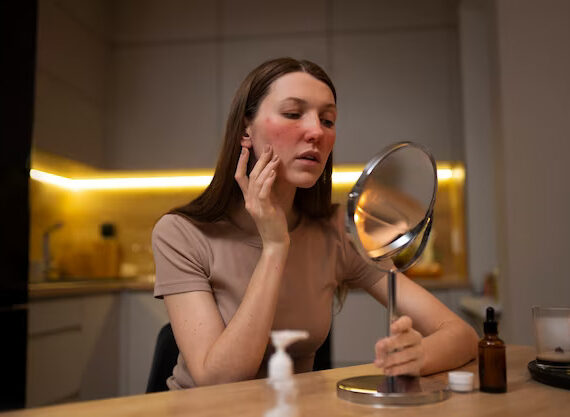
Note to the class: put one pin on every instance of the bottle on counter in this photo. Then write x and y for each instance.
(107, 253)
(492, 357)
(280, 369)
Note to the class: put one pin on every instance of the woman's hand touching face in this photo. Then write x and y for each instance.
(403, 352)
(268, 216)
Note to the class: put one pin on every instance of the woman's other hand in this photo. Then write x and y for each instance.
(268, 216)
(402, 353)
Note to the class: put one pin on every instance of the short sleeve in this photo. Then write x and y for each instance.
(181, 257)
(356, 272)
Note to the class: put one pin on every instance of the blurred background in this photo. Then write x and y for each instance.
(141, 89)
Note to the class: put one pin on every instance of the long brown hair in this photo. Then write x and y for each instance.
(217, 199)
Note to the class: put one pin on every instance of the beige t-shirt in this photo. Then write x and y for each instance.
(220, 258)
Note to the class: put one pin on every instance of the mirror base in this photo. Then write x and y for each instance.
(381, 390)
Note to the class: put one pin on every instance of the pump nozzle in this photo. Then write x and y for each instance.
(283, 338)
(280, 364)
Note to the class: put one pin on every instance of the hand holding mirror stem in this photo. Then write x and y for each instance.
(389, 217)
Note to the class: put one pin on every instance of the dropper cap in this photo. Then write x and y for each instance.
(490, 325)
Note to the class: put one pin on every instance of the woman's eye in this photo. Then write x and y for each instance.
(327, 123)
(292, 115)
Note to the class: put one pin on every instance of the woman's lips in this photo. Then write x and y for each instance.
(308, 162)
(311, 156)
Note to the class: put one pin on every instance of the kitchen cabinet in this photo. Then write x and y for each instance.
(72, 349)
(88, 347)
(55, 345)
(101, 339)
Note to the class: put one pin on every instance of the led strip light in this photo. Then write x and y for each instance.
(339, 177)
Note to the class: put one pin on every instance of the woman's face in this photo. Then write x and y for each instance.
(297, 118)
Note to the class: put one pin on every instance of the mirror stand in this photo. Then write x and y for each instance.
(397, 187)
(383, 390)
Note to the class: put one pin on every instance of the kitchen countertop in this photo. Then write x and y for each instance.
(317, 397)
(88, 286)
(77, 287)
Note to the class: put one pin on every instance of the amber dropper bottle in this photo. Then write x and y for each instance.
(492, 358)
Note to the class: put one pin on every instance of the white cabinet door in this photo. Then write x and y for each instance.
(55, 347)
(142, 317)
(73, 349)
(101, 338)
(92, 347)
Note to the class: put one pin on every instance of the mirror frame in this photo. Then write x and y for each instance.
(409, 237)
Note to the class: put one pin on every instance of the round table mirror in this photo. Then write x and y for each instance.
(389, 217)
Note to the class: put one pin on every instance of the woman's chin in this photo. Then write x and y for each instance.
(304, 181)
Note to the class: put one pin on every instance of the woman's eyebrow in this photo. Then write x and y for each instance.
(296, 100)
(302, 102)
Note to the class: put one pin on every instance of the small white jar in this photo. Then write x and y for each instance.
(460, 381)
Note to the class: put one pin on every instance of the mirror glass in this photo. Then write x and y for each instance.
(390, 206)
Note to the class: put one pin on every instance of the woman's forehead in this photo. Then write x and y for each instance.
(300, 85)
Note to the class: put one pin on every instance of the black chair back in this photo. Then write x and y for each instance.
(163, 361)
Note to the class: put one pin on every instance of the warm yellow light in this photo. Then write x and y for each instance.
(444, 173)
(51, 179)
(345, 177)
(458, 173)
(78, 184)
(340, 177)
(182, 181)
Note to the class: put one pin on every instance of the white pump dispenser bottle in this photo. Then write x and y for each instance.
(281, 372)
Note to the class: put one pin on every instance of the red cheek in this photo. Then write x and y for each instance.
(276, 132)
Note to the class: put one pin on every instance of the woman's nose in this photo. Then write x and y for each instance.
(314, 129)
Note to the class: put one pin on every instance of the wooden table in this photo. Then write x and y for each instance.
(317, 397)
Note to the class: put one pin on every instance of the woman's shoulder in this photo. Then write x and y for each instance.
(174, 225)
(175, 228)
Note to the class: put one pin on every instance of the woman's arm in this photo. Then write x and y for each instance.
(428, 337)
(215, 353)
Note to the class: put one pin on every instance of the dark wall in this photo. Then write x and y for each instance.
(18, 52)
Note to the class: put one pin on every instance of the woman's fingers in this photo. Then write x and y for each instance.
(409, 368)
(407, 360)
(262, 162)
(256, 187)
(403, 351)
(260, 171)
(408, 354)
(401, 325)
(241, 171)
(267, 171)
(402, 336)
(267, 184)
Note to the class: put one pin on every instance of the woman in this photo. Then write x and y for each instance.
(263, 248)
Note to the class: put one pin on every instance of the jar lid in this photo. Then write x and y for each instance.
(460, 381)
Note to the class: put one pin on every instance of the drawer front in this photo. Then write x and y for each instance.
(54, 367)
(52, 316)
